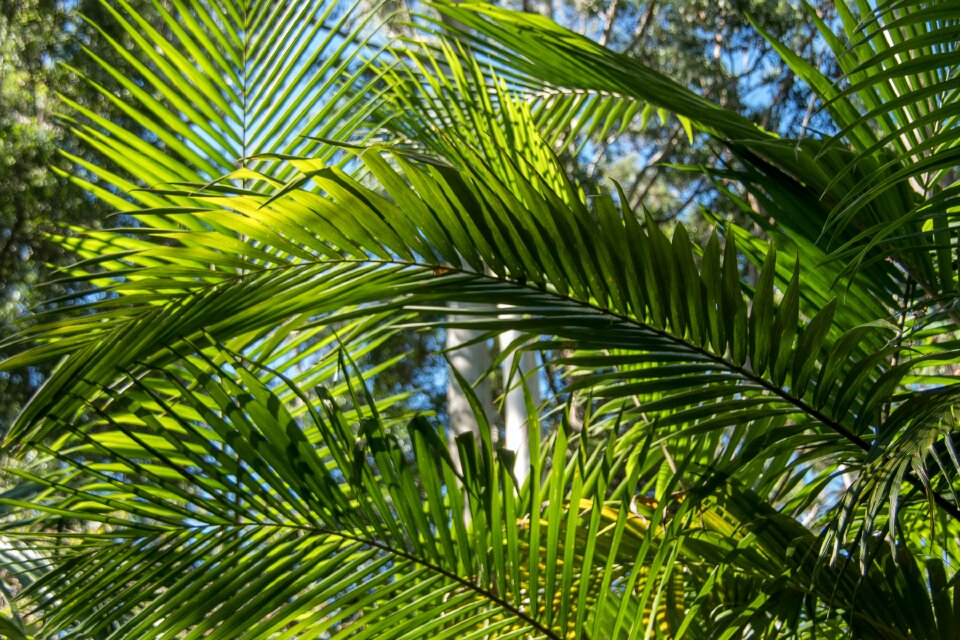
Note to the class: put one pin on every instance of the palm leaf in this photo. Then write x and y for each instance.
(737, 366)
(232, 496)
(223, 515)
(860, 199)
(216, 83)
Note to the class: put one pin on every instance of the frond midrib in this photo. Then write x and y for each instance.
(373, 542)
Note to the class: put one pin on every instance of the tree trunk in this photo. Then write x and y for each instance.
(516, 425)
(471, 362)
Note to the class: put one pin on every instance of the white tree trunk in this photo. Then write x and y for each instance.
(517, 427)
(471, 362)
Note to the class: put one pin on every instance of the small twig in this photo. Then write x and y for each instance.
(641, 31)
(610, 18)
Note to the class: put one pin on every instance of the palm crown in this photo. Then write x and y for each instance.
(761, 457)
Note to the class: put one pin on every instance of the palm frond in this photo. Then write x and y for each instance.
(859, 206)
(464, 235)
(214, 84)
(893, 108)
(174, 516)
(721, 413)
(330, 522)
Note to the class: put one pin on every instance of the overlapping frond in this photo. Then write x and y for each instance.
(852, 204)
(721, 411)
(225, 516)
(214, 83)
(893, 109)
(443, 101)
(736, 356)
(200, 88)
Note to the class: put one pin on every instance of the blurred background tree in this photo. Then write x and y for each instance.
(33, 197)
(39, 41)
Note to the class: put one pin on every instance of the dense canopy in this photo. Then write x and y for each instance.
(737, 418)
